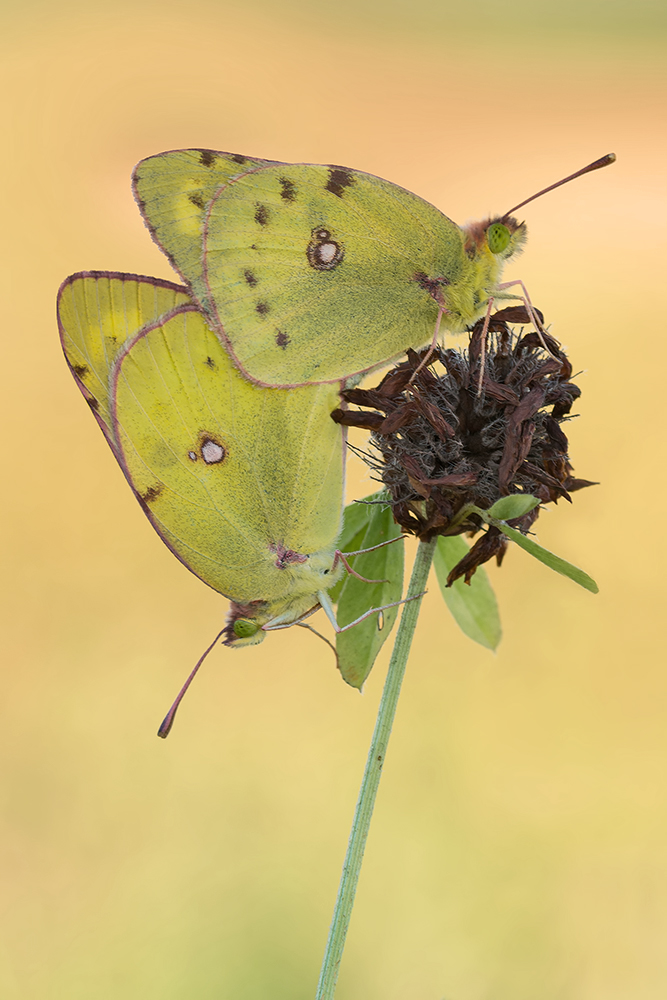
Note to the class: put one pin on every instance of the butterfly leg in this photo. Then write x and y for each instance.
(485, 333)
(342, 557)
(525, 298)
(319, 636)
(286, 620)
(327, 607)
(434, 344)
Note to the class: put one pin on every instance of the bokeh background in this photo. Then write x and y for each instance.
(519, 844)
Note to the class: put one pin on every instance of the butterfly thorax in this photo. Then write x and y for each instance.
(466, 299)
(303, 577)
(304, 574)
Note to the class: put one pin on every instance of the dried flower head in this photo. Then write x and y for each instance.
(439, 445)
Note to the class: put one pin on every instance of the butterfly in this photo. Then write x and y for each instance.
(314, 273)
(243, 484)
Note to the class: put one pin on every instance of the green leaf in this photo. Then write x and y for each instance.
(549, 559)
(516, 505)
(358, 647)
(356, 518)
(473, 605)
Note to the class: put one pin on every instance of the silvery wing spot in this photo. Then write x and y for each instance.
(323, 252)
(210, 450)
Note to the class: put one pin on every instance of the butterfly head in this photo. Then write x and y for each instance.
(244, 624)
(498, 239)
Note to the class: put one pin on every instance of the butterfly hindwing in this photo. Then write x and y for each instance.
(237, 480)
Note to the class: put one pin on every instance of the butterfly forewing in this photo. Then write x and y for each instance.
(317, 272)
(231, 475)
(173, 190)
(97, 313)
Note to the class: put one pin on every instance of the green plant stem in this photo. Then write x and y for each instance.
(371, 779)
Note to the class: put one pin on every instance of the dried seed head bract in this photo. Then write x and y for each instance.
(439, 446)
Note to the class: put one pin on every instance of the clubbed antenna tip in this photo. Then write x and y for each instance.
(603, 161)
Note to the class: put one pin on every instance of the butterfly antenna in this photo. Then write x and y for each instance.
(604, 161)
(168, 720)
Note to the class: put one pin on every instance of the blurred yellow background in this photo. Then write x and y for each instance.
(518, 847)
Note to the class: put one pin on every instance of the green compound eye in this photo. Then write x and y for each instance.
(243, 628)
(498, 237)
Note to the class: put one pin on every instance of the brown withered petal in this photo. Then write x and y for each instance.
(492, 543)
(439, 446)
(358, 418)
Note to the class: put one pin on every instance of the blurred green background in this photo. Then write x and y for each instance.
(518, 848)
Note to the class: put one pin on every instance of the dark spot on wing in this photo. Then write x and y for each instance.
(289, 557)
(262, 215)
(151, 494)
(339, 179)
(430, 285)
(282, 340)
(288, 190)
(80, 370)
(250, 278)
(196, 198)
(286, 557)
(237, 158)
(252, 246)
(92, 403)
(207, 157)
(210, 363)
(262, 308)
